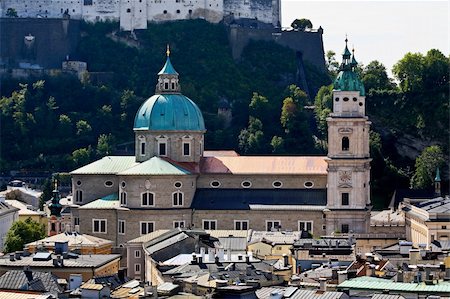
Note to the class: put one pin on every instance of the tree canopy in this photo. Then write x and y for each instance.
(301, 24)
(23, 232)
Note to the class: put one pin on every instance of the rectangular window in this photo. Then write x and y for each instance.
(344, 197)
(147, 227)
(147, 199)
(210, 224)
(344, 228)
(186, 148)
(99, 226)
(162, 149)
(180, 223)
(137, 268)
(87, 2)
(177, 199)
(121, 228)
(123, 198)
(137, 254)
(142, 148)
(306, 225)
(273, 225)
(78, 196)
(241, 224)
(76, 220)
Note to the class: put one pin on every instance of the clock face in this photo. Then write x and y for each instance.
(345, 176)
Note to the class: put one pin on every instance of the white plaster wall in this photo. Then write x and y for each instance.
(133, 14)
(167, 10)
(6, 222)
(266, 11)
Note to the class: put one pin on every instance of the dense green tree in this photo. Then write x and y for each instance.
(374, 76)
(277, 144)
(431, 158)
(259, 106)
(105, 145)
(83, 127)
(301, 24)
(23, 232)
(332, 64)
(251, 139)
(322, 108)
(436, 70)
(81, 156)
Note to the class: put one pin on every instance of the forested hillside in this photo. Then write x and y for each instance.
(59, 123)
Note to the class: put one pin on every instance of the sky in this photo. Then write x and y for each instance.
(379, 30)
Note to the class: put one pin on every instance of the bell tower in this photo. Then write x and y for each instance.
(348, 191)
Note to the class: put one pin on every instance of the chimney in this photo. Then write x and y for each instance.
(427, 273)
(28, 273)
(194, 259)
(11, 257)
(248, 270)
(414, 256)
(285, 260)
(342, 276)
(323, 284)
(200, 260)
(18, 255)
(247, 259)
(370, 269)
(400, 276)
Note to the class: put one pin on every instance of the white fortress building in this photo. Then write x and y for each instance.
(134, 14)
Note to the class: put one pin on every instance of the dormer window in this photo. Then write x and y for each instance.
(141, 145)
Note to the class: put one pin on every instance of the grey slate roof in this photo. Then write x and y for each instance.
(84, 261)
(241, 199)
(6, 208)
(35, 281)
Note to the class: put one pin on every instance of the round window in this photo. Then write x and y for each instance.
(355, 99)
(123, 184)
(277, 184)
(360, 103)
(308, 184)
(178, 184)
(109, 183)
(346, 99)
(246, 184)
(79, 183)
(215, 184)
(336, 99)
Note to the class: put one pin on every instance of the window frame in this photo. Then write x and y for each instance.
(178, 222)
(305, 223)
(137, 254)
(177, 196)
(209, 221)
(142, 199)
(345, 196)
(120, 223)
(152, 223)
(123, 198)
(272, 221)
(345, 144)
(136, 270)
(342, 228)
(78, 191)
(99, 220)
(240, 223)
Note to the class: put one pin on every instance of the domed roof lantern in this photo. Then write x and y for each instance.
(168, 77)
(55, 206)
(354, 63)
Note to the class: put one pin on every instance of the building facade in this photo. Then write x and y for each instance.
(173, 182)
(134, 14)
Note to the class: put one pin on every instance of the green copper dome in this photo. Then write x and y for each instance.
(169, 112)
(347, 79)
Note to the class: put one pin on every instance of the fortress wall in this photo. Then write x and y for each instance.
(310, 44)
(266, 11)
(57, 36)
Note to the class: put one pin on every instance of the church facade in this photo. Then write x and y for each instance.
(171, 181)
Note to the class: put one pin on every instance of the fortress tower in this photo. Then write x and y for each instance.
(348, 192)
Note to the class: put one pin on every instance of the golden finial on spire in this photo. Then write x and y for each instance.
(168, 50)
(56, 184)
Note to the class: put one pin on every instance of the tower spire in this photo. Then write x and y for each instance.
(168, 50)
(168, 77)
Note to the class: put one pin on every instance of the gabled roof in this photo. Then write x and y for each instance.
(155, 166)
(242, 199)
(107, 165)
(34, 281)
(264, 165)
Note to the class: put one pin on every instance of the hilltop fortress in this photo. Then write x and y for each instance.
(134, 14)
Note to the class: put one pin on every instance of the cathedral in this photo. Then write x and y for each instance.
(171, 181)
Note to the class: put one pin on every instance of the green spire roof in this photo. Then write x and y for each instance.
(438, 175)
(55, 207)
(168, 68)
(347, 79)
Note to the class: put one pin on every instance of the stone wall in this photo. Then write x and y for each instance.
(93, 186)
(309, 43)
(29, 41)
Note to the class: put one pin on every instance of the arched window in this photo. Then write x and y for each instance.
(345, 143)
(147, 199)
(177, 198)
(142, 148)
(78, 196)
